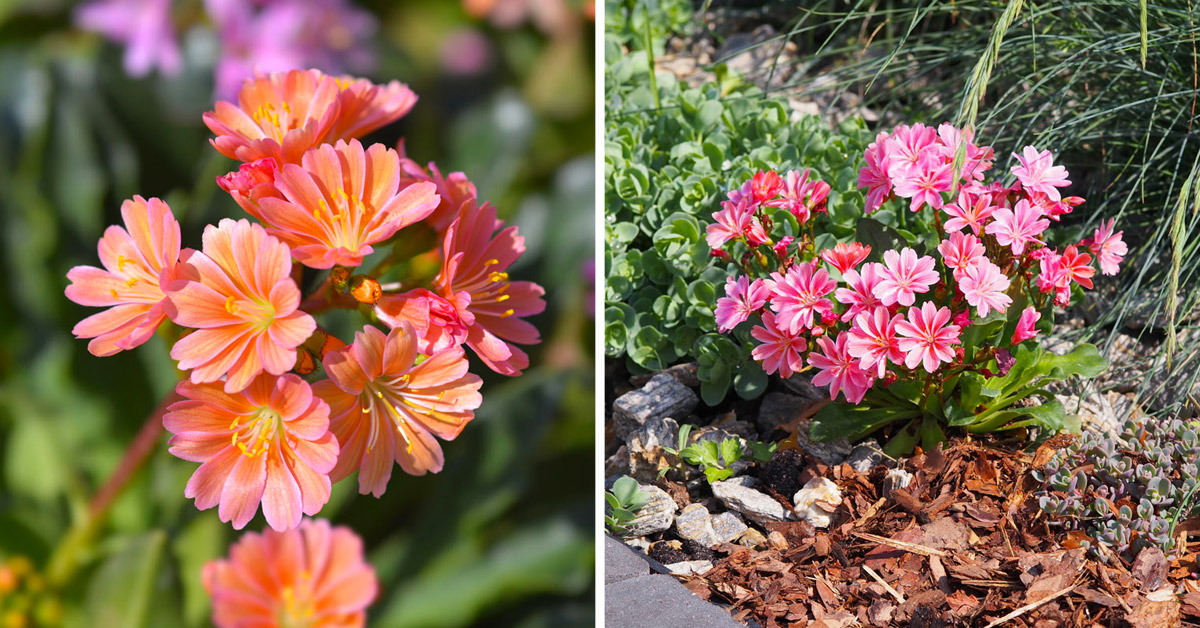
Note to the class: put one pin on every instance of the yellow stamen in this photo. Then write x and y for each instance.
(131, 283)
(230, 305)
(496, 277)
(506, 314)
(504, 297)
(113, 292)
(491, 262)
(234, 424)
(121, 262)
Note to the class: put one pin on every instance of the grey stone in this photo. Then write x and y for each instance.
(685, 373)
(782, 408)
(752, 538)
(754, 505)
(655, 516)
(658, 601)
(690, 567)
(622, 562)
(655, 433)
(617, 464)
(662, 396)
(865, 456)
(727, 527)
(779, 408)
(801, 384)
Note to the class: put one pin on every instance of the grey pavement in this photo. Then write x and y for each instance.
(634, 597)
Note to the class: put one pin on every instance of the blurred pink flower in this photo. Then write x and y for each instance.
(269, 443)
(926, 338)
(138, 261)
(1037, 173)
(239, 296)
(903, 276)
(385, 406)
(837, 368)
(143, 26)
(283, 35)
(314, 576)
(778, 350)
(342, 200)
(1026, 325)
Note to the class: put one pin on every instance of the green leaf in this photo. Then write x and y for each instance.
(842, 420)
(715, 474)
(33, 465)
(731, 451)
(120, 593)
(750, 382)
(1084, 361)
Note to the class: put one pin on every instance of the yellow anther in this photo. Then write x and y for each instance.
(234, 424)
(496, 277)
(113, 292)
(121, 262)
(230, 305)
(234, 441)
(131, 283)
(491, 262)
(379, 394)
(404, 378)
(504, 297)
(506, 314)
(441, 395)
(287, 108)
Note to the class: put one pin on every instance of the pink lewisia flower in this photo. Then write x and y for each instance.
(385, 408)
(978, 159)
(1076, 266)
(1038, 174)
(875, 176)
(846, 255)
(269, 443)
(972, 209)
(961, 251)
(860, 296)
(779, 350)
(1018, 227)
(138, 261)
(985, 287)
(1053, 277)
(439, 322)
(799, 294)
(906, 146)
(765, 185)
(924, 182)
(733, 220)
(1108, 247)
(239, 296)
(251, 183)
(742, 298)
(454, 190)
(342, 201)
(144, 26)
(476, 263)
(314, 576)
(839, 370)
(873, 340)
(1026, 325)
(926, 337)
(802, 197)
(904, 275)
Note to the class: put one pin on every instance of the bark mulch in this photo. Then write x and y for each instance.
(963, 545)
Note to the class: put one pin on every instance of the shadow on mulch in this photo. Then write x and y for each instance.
(962, 545)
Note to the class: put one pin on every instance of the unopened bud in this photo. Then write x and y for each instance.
(305, 363)
(365, 289)
(339, 276)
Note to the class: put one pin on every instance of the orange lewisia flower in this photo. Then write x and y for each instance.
(383, 407)
(476, 263)
(240, 298)
(137, 261)
(312, 577)
(283, 114)
(342, 201)
(269, 443)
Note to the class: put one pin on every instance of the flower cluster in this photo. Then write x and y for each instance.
(858, 322)
(263, 433)
(1124, 490)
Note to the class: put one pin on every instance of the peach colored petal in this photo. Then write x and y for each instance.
(319, 453)
(377, 463)
(400, 349)
(212, 396)
(442, 367)
(243, 490)
(281, 498)
(368, 350)
(195, 305)
(210, 352)
(345, 371)
(314, 488)
(196, 446)
(425, 455)
(380, 176)
(207, 482)
(93, 287)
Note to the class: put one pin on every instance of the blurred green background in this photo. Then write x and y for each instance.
(503, 536)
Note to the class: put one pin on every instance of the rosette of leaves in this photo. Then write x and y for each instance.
(1128, 491)
(670, 153)
(624, 500)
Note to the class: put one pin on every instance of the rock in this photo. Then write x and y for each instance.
(752, 538)
(832, 452)
(660, 601)
(754, 505)
(656, 432)
(896, 478)
(621, 562)
(865, 456)
(685, 373)
(655, 516)
(816, 502)
(690, 567)
(662, 396)
(1097, 412)
(639, 543)
(741, 430)
(801, 384)
(617, 464)
(694, 523)
(777, 540)
(779, 408)
(727, 526)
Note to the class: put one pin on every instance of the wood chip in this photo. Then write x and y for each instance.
(887, 587)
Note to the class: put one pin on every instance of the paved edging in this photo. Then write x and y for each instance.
(636, 598)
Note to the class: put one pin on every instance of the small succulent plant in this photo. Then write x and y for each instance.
(1127, 491)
